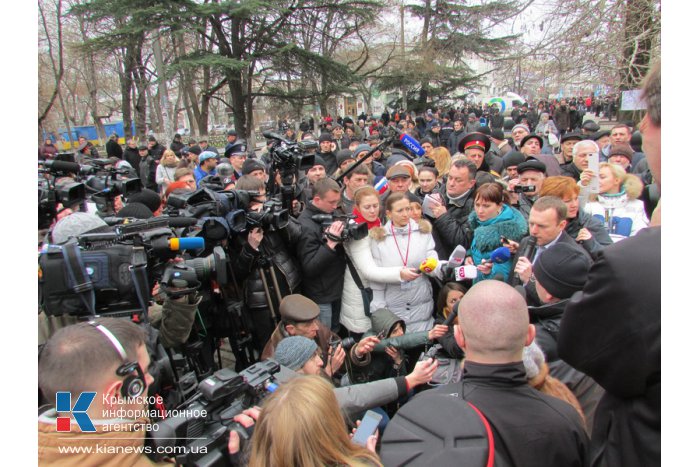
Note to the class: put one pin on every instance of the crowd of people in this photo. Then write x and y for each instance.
(552, 340)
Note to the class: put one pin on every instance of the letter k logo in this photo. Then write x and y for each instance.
(79, 411)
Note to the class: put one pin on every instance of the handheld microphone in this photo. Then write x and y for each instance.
(463, 273)
(413, 145)
(428, 265)
(456, 259)
(186, 243)
(500, 255)
(529, 249)
(453, 314)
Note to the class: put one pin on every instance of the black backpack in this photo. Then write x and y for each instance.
(439, 429)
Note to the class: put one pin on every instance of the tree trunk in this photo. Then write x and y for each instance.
(638, 42)
(141, 86)
(126, 82)
(57, 69)
(91, 83)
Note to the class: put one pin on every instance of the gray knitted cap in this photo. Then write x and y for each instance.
(294, 351)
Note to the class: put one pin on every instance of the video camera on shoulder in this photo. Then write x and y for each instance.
(271, 217)
(104, 273)
(289, 155)
(351, 230)
(219, 214)
(202, 424)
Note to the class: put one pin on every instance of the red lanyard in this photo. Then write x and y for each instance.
(404, 261)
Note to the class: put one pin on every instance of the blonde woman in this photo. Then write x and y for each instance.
(442, 159)
(301, 425)
(616, 203)
(165, 173)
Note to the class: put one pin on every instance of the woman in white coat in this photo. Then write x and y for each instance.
(352, 312)
(616, 203)
(403, 242)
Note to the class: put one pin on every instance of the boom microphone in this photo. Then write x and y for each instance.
(62, 166)
(413, 145)
(272, 135)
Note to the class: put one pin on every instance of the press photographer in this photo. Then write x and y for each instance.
(263, 259)
(300, 317)
(101, 369)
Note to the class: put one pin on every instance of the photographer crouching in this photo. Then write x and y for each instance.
(97, 375)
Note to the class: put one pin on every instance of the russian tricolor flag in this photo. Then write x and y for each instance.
(382, 185)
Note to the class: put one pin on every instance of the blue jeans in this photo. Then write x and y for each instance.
(330, 315)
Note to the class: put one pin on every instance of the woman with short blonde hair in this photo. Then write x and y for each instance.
(617, 203)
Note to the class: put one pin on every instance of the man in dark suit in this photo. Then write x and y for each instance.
(547, 223)
(611, 330)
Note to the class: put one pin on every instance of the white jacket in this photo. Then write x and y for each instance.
(410, 301)
(625, 216)
(352, 312)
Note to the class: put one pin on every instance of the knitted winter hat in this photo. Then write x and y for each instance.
(562, 269)
(148, 197)
(360, 149)
(75, 224)
(293, 352)
(342, 156)
(533, 358)
(621, 150)
(520, 125)
(251, 165)
(135, 210)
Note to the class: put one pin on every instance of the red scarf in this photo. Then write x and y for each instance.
(360, 220)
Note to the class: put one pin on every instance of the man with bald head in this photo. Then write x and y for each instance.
(529, 427)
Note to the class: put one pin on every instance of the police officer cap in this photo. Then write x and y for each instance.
(475, 140)
(297, 308)
(240, 147)
(532, 164)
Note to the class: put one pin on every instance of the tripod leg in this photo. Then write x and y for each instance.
(276, 285)
(270, 304)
